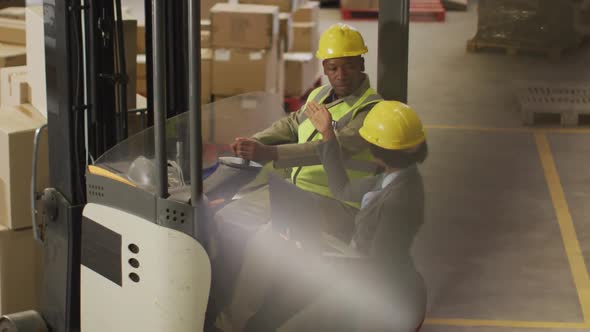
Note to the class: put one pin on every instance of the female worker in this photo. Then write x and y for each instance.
(370, 284)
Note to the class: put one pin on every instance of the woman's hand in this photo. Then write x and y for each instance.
(321, 119)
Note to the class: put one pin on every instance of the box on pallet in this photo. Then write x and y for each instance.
(14, 86)
(582, 17)
(305, 37)
(205, 39)
(309, 12)
(237, 71)
(286, 31)
(12, 3)
(13, 31)
(206, 57)
(359, 4)
(285, 6)
(20, 271)
(140, 38)
(244, 26)
(206, 6)
(12, 55)
(17, 129)
(13, 12)
(301, 71)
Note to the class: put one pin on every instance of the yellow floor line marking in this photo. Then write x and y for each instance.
(566, 225)
(550, 130)
(505, 323)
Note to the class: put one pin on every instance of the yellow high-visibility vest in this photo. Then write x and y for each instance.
(313, 178)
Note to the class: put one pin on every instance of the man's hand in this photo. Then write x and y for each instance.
(321, 119)
(251, 149)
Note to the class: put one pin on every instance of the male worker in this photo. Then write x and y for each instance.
(290, 143)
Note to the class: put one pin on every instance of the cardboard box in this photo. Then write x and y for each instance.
(205, 39)
(141, 39)
(206, 75)
(309, 12)
(17, 13)
(13, 31)
(206, 6)
(14, 86)
(285, 6)
(12, 55)
(141, 66)
(206, 57)
(17, 130)
(359, 4)
(12, 3)
(206, 25)
(20, 271)
(280, 73)
(237, 71)
(301, 72)
(285, 31)
(305, 37)
(244, 26)
(36, 57)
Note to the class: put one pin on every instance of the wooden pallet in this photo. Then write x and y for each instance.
(474, 45)
(420, 11)
(359, 14)
(427, 11)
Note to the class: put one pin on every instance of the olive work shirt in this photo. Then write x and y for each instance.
(284, 134)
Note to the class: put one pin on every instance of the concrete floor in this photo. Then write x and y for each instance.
(505, 212)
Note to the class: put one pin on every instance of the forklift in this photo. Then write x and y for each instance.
(124, 236)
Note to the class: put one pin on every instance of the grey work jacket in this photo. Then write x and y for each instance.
(386, 227)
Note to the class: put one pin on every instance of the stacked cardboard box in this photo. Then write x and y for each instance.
(301, 65)
(13, 12)
(12, 31)
(20, 271)
(305, 28)
(246, 56)
(285, 6)
(308, 12)
(300, 73)
(19, 254)
(14, 86)
(286, 31)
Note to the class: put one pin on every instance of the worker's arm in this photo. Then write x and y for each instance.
(262, 146)
(305, 154)
(340, 185)
(330, 154)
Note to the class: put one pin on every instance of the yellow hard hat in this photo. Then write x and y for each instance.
(340, 40)
(393, 126)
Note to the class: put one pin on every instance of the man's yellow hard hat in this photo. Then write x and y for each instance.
(393, 126)
(340, 40)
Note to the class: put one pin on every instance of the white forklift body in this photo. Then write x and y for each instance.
(144, 258)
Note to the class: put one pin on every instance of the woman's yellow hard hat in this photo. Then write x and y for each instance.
(393, 125)
(340, 40)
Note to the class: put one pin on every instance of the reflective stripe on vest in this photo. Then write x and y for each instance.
(313, 178)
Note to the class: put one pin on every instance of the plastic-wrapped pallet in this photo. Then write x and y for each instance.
(527, 23)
